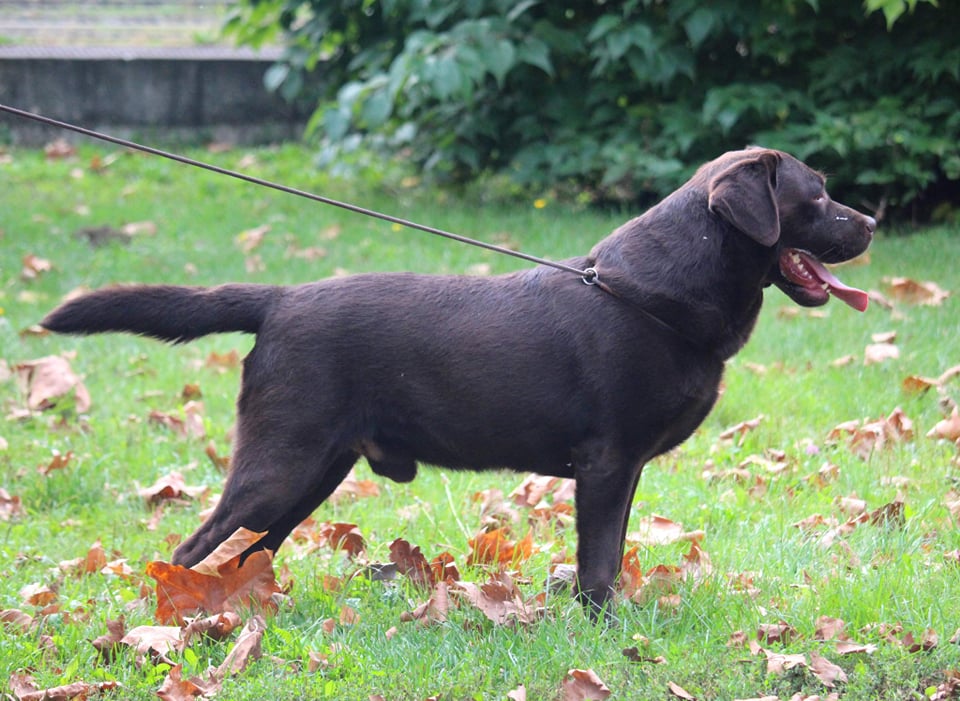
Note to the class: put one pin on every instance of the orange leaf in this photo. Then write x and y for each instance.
(183, 592)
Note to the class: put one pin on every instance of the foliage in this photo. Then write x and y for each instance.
(624, 98)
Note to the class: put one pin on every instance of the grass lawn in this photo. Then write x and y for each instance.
(878, 551)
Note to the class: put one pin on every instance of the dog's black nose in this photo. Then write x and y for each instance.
(871, 224)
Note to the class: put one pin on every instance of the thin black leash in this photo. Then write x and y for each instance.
(588, 275)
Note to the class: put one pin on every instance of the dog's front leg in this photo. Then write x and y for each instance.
(605, 486)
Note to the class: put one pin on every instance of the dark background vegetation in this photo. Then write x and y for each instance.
(621, 100)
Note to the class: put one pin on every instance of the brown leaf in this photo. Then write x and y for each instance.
(156, 642)
(948, 429)
(846, 647)
(864, 439)
(518, 694)
(680, 692)
(217, 627)
(50, 381)
(222, 362)
(583, 684)
(247, 648)
(352, 488)
(780, 632)
(904, 289)
(107, 643)
(57, 462)
(499, 600)
(170, 486)
(825, 670)
(412, 564)
(34, 267)
(828, 628)
(658, 530)
(26, 689)
(221, 462)
(15, 618)
(434, 610)
(879, 353)
(236, 544)
(250, 239)
(61, 148)
(189, 426)
(176, 688)
(778, 663)
(741, 430)
(10, 506)
(38, 595)
(535, 488)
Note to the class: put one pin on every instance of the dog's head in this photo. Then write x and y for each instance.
(781, 203)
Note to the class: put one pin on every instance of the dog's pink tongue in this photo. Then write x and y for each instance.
(801, 268)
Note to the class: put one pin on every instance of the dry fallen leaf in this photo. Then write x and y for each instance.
(879, 353)
(495, 547)
(50, 382)
(25, 688)
(176, 688)
(353, 488)
(250, 239)
(658, 530)
(182, 592)
(948, 429)
(434, 610)
(170, 486)
(904, 289)
(583, 684)
(246, 648)
(741, 430)
(412, 564)
(10, 506)
(34, 267)
(189, 426)
(535, 487)
(499, 599)
(680, 692)
(825, 670)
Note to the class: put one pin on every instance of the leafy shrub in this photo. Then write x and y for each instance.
(623, 99)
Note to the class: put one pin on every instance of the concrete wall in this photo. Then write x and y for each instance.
(203, 94)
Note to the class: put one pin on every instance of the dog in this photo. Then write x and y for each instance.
(533, 371)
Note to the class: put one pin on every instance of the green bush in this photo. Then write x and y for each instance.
(623, 99)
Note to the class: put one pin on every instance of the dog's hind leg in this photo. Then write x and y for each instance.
(269, 489)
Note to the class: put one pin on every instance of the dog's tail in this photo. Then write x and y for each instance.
(166, 312)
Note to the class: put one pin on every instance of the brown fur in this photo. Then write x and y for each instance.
(532, 371)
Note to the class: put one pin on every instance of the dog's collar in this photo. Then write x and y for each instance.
(591, 277)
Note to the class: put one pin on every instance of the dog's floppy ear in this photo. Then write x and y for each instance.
(743, 195)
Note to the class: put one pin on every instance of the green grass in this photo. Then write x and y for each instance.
(873, 575)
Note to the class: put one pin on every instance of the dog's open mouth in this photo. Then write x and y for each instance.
(812, 283)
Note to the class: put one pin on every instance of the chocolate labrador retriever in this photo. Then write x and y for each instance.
(532, 371)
